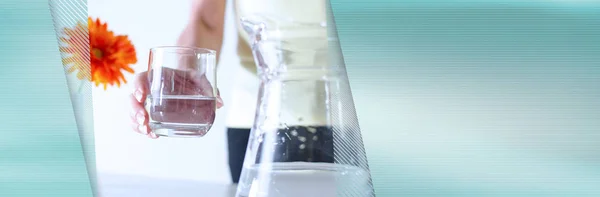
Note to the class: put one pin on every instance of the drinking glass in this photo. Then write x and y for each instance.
(181, 100)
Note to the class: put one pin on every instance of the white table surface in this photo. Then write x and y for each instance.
(113, 185)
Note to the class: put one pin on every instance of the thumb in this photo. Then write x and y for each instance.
(219, 99)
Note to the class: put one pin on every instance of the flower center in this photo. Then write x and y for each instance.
(97, 53)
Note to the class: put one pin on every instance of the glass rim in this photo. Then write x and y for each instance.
(195, 49)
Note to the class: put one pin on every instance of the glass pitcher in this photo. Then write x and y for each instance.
(305, 140)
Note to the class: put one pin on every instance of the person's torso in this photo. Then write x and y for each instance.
(244, 97)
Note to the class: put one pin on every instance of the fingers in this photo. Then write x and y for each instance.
(177, 82)
(139, 119)
(206, 89)
(152, 135)
(139, 116)
(191, 82)
(141, 87)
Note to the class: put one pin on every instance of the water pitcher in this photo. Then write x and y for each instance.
(305, 140)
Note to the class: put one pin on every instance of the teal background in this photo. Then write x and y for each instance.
(40, 150)
(476, 98)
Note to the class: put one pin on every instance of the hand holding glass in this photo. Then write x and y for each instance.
(178, 93)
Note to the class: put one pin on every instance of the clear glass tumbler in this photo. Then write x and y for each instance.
(182, 93)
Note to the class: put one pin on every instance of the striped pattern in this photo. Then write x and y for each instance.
(71, 14)
(347, 138)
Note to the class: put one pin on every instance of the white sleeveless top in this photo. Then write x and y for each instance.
(245, 87)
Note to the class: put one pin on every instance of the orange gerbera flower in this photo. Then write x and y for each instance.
(109, 54)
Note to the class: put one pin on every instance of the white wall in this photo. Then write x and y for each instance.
(151, 23)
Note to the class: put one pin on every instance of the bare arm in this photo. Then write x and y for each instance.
(205, 26)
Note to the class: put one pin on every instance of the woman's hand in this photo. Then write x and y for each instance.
(182, 83)
(204, 30)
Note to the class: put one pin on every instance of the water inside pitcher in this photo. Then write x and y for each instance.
(306, 140)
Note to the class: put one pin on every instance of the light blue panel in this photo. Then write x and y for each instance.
(40, 150)
(476, 98)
